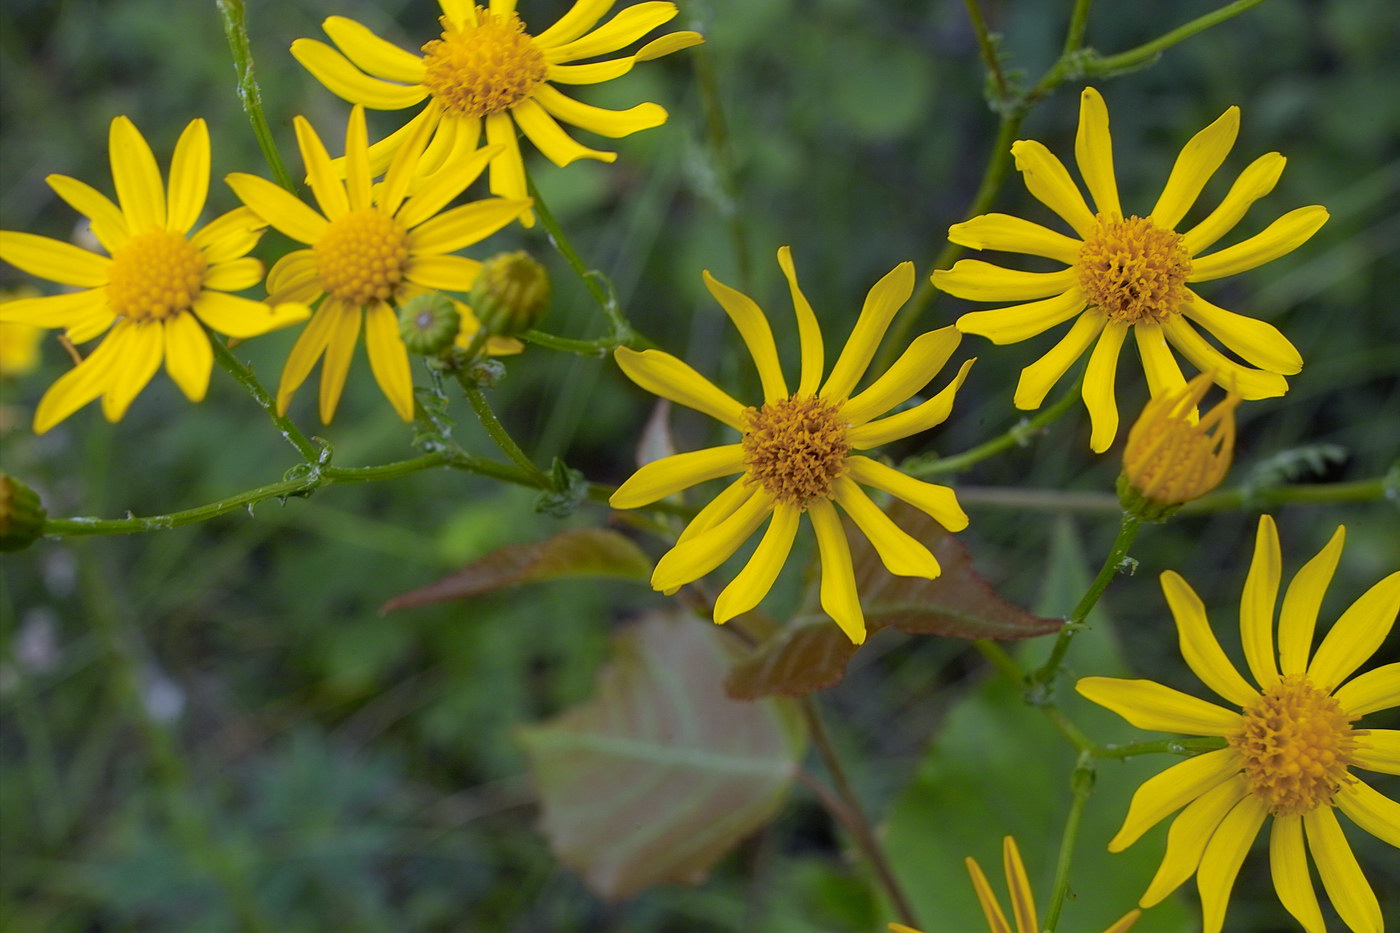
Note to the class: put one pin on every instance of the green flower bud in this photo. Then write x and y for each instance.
(428, 324)
(511, 294)
(21, 514)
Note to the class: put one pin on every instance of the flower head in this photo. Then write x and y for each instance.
(370, 248)
(486, 70)
(1130, 272)
(1022, 899)
(156, 287)
(19, 343)
(1171, 456)
(796, 452)
(1290, 750)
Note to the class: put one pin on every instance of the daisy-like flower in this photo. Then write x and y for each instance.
(371, 247)
(1291, 747)
(795, 452)
(19, 343)
(1130, 273)
(1174, 455)
(1022, 899)
(155, 287)
(486, 69)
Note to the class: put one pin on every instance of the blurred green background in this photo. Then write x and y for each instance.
(357, 772)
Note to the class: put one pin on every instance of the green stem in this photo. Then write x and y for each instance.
(1082, 785)
(1364, 490)
(1078, 22)
(717, 130)
(1108, 64)
(854, 815)
(1184, 746)
(244, 376)
(595, 348)
(1112, 566)
(988, 48)
(236, 32)
(501, 436)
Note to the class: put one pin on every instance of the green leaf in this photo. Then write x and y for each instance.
(811, 655)
(660, 775)
(583, 552)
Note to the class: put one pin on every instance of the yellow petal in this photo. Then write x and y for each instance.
(591, 73)
(809, 333)
(507, 168)
(305, 352)
(1288, 864)
(1251, 384)
(442, 131)
(938, 502)
(1198, 643)
(90, 325)
(465, 225)
(981, 281)
(278, 208)
(1040, 377)
(229, 236)
(747, 589)
(1151, 706)
(579, 19)
(1163, 374)
(55, 310)
(326, 185)
(141, 357)
(445, 184)
(662, 374)
(669, 475)
(1257, 342)
(1357, 634)
(189, 178)
(881, 302)
(1014, 235)
(108, 222)
(295, 277)
(919, 418)
(1093, 150)
(691, 560)
(1220, 863)
(1371, 810)
(910, 373)
(140, 191)
(669, 44)
(1162, 795)
(1198, 161)
(1048, 181)
(1125, 923)
(234, 275)
(901, 554)
(1021, 322)
(753, 327)
(358, 184)
(838, 587)
(996, 920)
(1301, 603)
(1257, 604)
(1279, 238)
(1377, 689)
(623, 29)
(1379, 750)
(350, 83)
(340, 348)
(388, 358)
(453, 273)
(84, 382)
(1189, 834)
(1342, 879)
(1098, 392)
(1019, 886)
(559, 147)
(717, 509)
(1254, 182)
(242, 318)
(610, 123)
(371, 53)
(53, 259)
(188, 357)
(403, 167)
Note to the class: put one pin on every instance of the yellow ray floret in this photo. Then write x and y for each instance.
(158, 286)
(1130, 273)
(369, 249)
(487, 73)
(795, 452)
(1290, 750)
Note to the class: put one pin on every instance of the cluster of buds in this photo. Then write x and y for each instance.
(1173, 454)
(509, 296)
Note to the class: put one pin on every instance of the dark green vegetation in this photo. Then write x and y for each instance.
(212, 728)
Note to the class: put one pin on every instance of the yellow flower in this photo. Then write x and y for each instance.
(486, 69)
(371, 248)
(795, 452)
(156, 286)
(1291, 747)
(19, 343)
(1131, 273)
(1022, 900)
(1171, 456)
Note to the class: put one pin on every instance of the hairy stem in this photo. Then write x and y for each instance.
(236, 32)
(501, 436)
(1108, 64)
(1082, 785)
(244, 377)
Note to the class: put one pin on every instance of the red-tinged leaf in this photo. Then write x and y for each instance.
(812, 653)
(660, 775)
(584, 552)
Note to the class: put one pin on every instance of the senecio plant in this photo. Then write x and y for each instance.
(384, 246)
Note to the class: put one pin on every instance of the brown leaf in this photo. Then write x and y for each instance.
(660, 775)
(812, 653)
(583, 552)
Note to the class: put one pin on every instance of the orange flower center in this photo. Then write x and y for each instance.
(1133, 270)
(485, 68)
(156, 275)
(795, 448)
(1297, 743)
(361, 258)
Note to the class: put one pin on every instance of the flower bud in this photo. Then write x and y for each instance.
(1172, 455)
(428, 323)
(511, 294)
(21, 514)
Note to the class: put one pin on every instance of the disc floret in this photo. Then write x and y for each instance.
(1133, 270)
(156, 275)
(477, 70)
(361, 257)
(795, 448)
